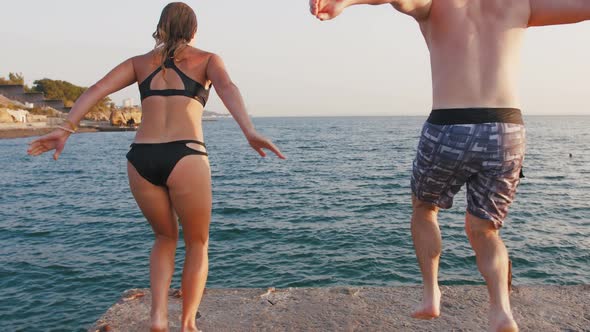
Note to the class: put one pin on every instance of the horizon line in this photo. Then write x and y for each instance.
(382, 116)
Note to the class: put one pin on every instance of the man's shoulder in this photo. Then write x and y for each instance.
(514, 11)
(418, 9)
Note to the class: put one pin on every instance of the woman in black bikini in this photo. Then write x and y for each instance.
(168, 168)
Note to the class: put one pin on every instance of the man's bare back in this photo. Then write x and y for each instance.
(474, 44)
(474, 53)
(474, 47)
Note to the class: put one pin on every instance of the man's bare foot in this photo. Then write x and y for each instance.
(430, 307)
(502, 322)
(327, 9)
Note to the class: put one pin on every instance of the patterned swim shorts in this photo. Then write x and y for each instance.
(487, 157)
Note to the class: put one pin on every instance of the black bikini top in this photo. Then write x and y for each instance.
(192, 88)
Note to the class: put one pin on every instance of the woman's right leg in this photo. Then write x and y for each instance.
(190, 191)
(154, 203)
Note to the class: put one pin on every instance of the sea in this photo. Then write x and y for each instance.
(337, 212)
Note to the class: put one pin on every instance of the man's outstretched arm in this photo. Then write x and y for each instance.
(329, 9)
(552, 12)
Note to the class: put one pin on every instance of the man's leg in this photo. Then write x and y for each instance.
(492, 262)
(428, 245)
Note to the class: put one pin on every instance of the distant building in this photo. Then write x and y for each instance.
(19, 115)
(12, 90)
(129, 102)
(57, 104)
(31, 99)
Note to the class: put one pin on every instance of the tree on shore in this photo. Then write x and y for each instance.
(68, 92)
(57, 89)
(13, 79)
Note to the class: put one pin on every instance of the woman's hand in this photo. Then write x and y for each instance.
(55, 140)
(232, 99)
(259, 142)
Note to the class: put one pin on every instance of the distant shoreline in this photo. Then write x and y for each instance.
(11, 131)
(34, 132)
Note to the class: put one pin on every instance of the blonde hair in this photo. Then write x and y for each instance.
(175, 30)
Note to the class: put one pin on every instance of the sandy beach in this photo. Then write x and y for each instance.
(536, 308)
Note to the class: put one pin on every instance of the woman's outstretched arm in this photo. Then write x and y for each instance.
(232, 99)
(120, 77)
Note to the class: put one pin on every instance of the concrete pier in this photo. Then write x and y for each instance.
(464, 308)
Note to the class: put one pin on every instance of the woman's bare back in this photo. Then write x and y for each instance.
(170, 118)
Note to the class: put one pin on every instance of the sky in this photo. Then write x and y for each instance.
(369, 61)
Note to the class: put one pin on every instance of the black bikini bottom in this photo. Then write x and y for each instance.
(155, 161)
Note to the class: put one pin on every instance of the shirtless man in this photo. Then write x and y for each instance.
(475, 134)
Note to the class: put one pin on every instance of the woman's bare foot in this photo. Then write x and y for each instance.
(327, 9)
(159, 323)
(501, 321)
(159, 328)
(430, 307)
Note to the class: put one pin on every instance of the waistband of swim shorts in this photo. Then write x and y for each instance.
(475, 115)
